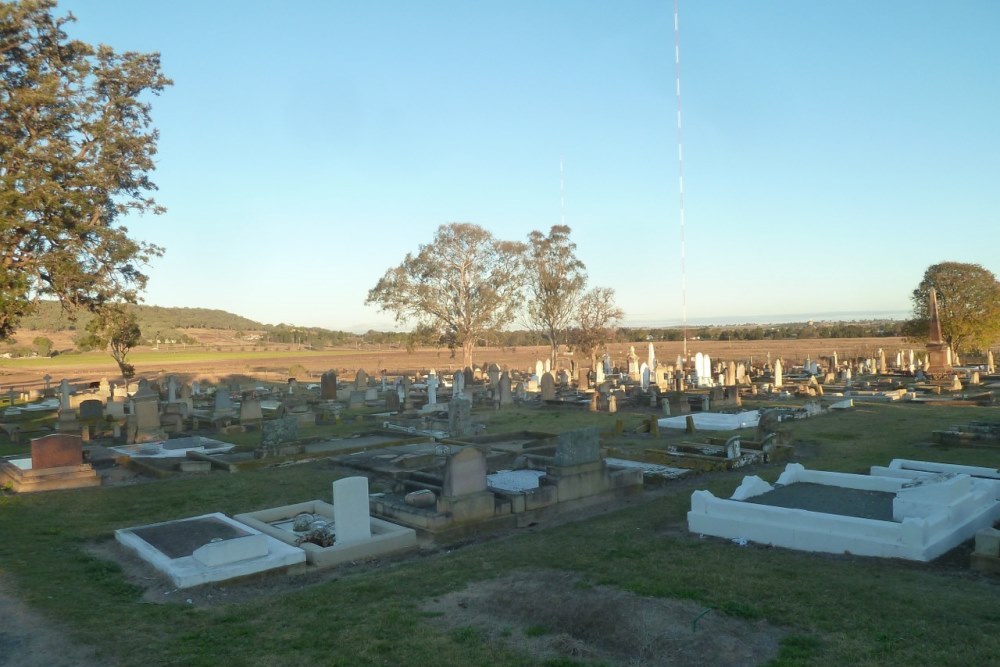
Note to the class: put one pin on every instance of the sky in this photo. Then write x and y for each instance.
(832, 150)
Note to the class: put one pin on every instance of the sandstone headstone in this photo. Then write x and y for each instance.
(250, 411)
(548, 387)
(464, 473)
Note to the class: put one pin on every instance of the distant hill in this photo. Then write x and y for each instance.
(51, 317)
(176, 325)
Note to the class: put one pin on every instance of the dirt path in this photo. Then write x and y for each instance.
(27, 639)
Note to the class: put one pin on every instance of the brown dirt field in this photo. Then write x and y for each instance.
(346, 361)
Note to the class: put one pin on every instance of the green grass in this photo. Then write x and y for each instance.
(837, 609)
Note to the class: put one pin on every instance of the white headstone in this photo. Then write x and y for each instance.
(64, 394)
(777, 373)
(351, 517)
(432, 388)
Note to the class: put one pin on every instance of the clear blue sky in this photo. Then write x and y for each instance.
(832, 150)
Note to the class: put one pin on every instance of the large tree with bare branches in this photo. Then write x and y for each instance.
(464, 284)
(76, 150)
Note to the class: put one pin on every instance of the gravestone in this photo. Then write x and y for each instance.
(276, 432)
(92, 410)
(777, 373)
(539, 368)
(493, 372)
(328, 386)
(504, 388)
(223, 404)
(351, 518)
(578, 447)
(250, 411)
(361, 380)
(548, 386)
(469, 378)
(56, 451)
(392, 401)
(432, 388)
(458, 384)
(144, 417)
(459, 416)
(357, 399)
(464, 473)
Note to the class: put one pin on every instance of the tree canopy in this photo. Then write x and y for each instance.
(968, 298)
(465, 284)
(596, 317)
(116, 328)
(555, 280)
(76, 151)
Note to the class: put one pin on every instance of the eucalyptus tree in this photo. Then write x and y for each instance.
(555, 280)
(464, 284)
(76, 151)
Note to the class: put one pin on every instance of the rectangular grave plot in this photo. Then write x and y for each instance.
(177, 539)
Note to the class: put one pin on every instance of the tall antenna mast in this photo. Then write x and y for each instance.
(680, 162)
(562, 195)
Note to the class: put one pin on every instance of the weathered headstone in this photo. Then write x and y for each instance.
(459, 416)
(464, 473)
(276, 432)
(548, 387)
(360, 380)
(503, 386)
(250, 411)
(56, 451)
(92, 410)
(578, 447)
(328, 386)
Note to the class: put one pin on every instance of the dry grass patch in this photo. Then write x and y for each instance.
(559, 618)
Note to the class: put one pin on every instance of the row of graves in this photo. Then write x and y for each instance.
(437, 492)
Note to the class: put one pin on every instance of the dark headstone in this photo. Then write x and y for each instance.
(92, 409)
(328, 386)
(56, 451)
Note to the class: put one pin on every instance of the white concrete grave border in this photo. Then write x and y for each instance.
(932, 514)
(385, 537)
(215, 561)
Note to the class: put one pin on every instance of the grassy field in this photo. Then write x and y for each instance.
(835, 610)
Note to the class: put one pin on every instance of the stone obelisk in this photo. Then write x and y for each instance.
(937, 349)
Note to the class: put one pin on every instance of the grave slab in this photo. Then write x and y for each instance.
(171, 548)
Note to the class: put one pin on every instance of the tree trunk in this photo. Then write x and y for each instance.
(467, 346)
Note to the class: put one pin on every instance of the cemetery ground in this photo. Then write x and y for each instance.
(637, 584)
(622, 584)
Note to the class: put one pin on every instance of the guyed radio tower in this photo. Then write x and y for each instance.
(680, 163)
